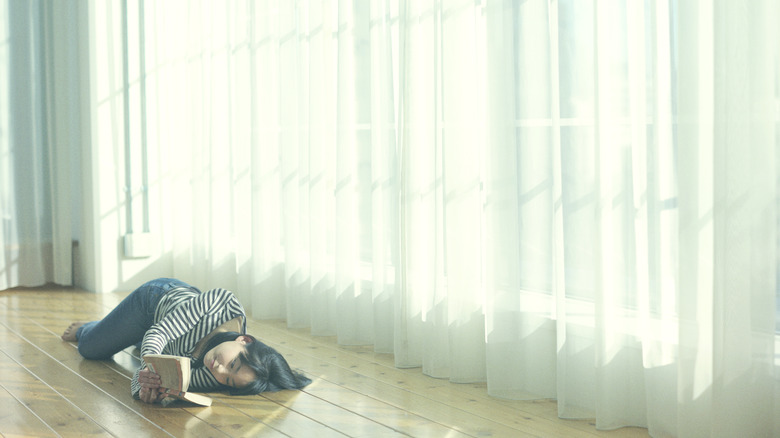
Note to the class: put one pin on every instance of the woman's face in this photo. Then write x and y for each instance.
(225, 364)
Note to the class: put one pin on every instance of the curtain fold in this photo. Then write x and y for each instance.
(38, 132)
(727, 208)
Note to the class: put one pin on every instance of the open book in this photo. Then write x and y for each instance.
(174, 374)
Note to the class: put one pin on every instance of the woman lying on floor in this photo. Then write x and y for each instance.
(168, 316)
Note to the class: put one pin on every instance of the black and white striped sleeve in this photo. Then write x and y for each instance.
(217, 304)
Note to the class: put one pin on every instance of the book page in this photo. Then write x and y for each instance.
(174, 371)
(190, 397)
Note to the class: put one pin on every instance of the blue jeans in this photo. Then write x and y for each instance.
(127, 323)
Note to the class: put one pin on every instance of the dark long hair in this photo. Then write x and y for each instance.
(272, 370)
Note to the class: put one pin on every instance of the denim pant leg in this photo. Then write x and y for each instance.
(127, 323)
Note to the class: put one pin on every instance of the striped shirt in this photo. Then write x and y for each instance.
(182, 318)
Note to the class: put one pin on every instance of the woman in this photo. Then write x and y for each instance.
(168, 316)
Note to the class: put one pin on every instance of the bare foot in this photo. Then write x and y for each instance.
(70, 333)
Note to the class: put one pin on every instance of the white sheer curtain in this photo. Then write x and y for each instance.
(38, 138)
(568, 199)
(641, 176)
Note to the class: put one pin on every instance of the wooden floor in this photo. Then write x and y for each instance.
(47, 389)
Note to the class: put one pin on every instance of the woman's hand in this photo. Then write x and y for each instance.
(150, 386)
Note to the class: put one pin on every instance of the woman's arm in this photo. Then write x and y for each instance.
(219, 305)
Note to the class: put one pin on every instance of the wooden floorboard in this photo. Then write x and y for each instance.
(17, 419)
(47, 389)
